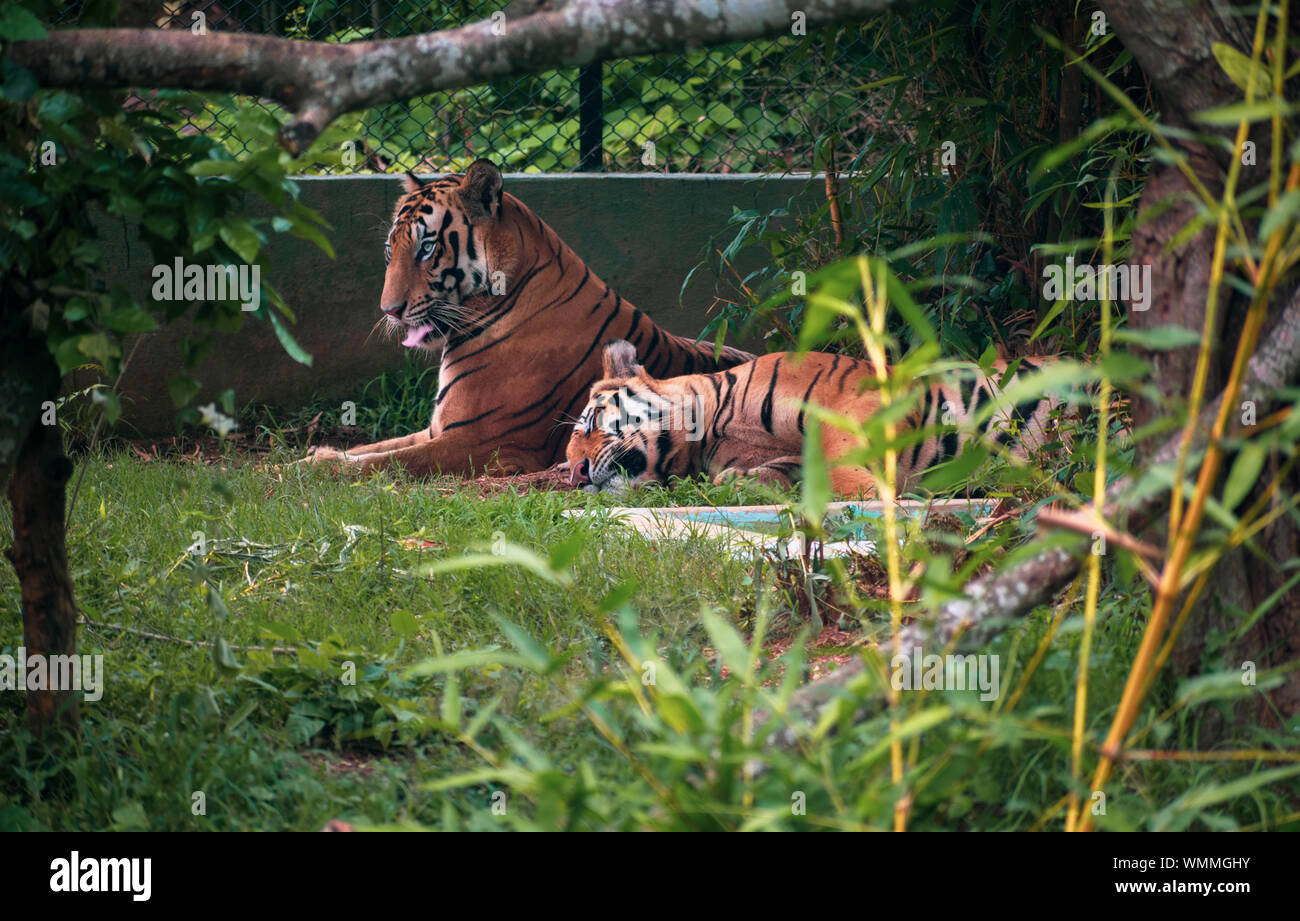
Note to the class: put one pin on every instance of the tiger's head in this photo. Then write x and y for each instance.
(443, 250)
(624, 435)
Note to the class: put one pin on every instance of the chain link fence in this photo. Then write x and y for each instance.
(762, 106)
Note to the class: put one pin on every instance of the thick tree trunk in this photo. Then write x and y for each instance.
(1243, 580)
(40, 558)
(1172, 42)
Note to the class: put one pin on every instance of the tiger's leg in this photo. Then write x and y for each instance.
(847, 481)
(324, 453)
(850, 482)
(780, 471)
(853, 483)
(450, 453)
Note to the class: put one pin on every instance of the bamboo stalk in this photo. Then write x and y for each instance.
(1072, 813)
(875, 302)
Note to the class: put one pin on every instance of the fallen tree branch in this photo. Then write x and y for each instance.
(319, 81)
(1086, 521)
(177, 640)
(994, 600)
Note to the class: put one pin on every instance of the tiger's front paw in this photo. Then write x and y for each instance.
(766, 476)
(730, 475)
(321, 454)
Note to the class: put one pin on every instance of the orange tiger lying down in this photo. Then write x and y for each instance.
(749, 421)
(519, 320)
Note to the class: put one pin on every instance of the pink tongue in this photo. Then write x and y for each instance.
(416, 336)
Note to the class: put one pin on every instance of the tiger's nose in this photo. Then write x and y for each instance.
(395, 310)
(580, 474)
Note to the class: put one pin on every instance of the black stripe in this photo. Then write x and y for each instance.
(807, 394)
(442, 391)
(499, 312)
(635, 320)
(547, 410)
(586, 277)
(853, 366)
(600, 300)
(664, 444)
(744, 397)
(1025, 410)
(981, 397)
(596, 340)
(479, 417)
(727, 403)
(910, 457)
(767, 400)
(562, 431)
(950, 445)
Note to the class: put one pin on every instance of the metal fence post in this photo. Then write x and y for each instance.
(591, 119)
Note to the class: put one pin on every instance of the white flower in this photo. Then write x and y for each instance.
(216, 420)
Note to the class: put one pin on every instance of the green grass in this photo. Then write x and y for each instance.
(280, 742)
(129, 541)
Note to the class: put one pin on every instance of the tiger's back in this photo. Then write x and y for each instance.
(752, 420)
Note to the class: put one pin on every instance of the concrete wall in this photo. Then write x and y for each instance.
(641, 233)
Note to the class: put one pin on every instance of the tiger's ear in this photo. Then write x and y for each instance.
(410, 183)
(620, 359)
(480, 192)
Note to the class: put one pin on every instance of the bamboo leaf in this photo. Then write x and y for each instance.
(912, 726)
(506, 555)
(1159, 338)
(1182, 811)
(731, 648)
(1245, 473)
(1242, 69)
(816, 485)
(1234, 113)
(1281, 214)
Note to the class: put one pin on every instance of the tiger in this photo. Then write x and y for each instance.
(518, 318)
(750, 421)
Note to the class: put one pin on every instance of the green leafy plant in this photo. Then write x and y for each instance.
(958, 180)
